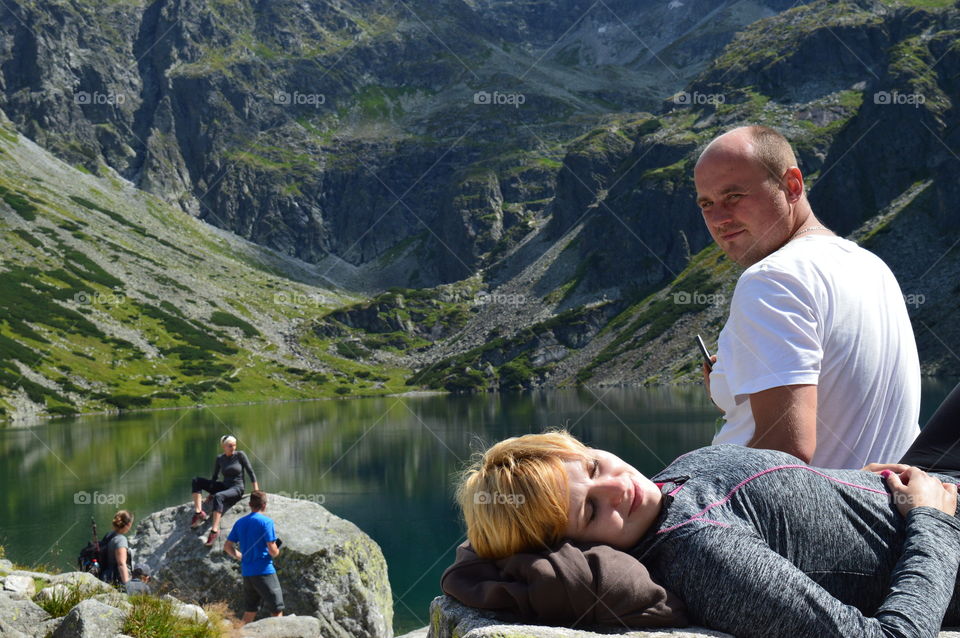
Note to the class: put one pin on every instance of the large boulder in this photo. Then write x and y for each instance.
(283, 627)
(450, 619)
(328, 568)
(20, 616)
(19, 584)
(90, 619)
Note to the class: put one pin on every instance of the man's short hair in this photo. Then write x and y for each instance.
(773, 150)
(258, 500)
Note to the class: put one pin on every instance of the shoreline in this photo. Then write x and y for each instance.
(30, 422)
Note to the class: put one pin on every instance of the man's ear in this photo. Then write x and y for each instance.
(793, 184)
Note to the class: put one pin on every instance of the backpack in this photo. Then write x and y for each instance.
(106, 573)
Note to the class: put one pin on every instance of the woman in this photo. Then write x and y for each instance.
(226, 493)
(755, 542)
(117, 569)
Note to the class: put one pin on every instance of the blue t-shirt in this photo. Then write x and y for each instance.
(252, 532)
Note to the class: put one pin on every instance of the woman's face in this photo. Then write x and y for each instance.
(229, 448)
(610, 501)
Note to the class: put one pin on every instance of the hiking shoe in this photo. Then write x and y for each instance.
(198, 519)
(212, 537)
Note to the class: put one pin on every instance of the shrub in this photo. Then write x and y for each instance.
(65, 598)
(152, 617)
(221, 318)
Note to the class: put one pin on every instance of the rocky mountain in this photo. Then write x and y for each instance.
(504, 189)
(346, 132)
(112, 299)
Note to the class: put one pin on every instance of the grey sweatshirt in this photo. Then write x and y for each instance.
(232, 468)
(757, 543)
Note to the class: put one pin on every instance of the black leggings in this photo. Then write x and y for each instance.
(223, 497)
(937, 449)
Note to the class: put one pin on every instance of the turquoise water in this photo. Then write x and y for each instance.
(387, 464)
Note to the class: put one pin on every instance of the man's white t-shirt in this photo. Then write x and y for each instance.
(823, 311)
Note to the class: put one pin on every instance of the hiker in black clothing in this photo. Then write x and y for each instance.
(117, 569)
(225, 494)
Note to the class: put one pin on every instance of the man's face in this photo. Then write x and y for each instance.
(745, 210)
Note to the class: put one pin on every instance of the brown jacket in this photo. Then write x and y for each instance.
(572, 585)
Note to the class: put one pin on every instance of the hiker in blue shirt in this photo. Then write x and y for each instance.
(259, 545)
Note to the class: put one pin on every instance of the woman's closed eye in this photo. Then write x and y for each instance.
(594, 470)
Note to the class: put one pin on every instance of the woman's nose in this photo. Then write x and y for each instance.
(615, 489)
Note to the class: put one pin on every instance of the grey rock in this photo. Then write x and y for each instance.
(90, 619)
(114, 599)
(423, 632)
(8, 631)
(328, 568)
(5, 565)
(283, 627)
(53, 591)
(186, 610)
(86, 581)
(20, 585)
(37, 575)
(20, 616)
(450, 619)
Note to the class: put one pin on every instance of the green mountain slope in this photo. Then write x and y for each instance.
(113, 299)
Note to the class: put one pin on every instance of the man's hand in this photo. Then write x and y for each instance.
(915, 488)
(786, 420)
(706, 373)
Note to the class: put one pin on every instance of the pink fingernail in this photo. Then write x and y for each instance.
(886, 473)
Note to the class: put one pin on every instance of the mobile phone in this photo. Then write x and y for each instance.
(704, 352)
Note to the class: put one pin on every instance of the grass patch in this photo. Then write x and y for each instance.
(152, 617)
(20, 205)
(222, 318)
(65, 598)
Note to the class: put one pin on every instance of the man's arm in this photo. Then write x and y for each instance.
(272, 549)
(786, 420)
(231, 551)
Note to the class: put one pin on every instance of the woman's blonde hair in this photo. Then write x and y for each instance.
(121, 519)
(514, 496)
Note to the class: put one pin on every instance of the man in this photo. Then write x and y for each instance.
(817, 357)
(258, 542)
(140, 582)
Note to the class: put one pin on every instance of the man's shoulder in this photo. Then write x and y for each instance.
(260, 519)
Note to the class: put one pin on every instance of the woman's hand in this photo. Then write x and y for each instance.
(915, 488)
(878, 468)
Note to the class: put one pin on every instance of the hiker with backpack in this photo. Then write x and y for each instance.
(226, 493)
(115, 555)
